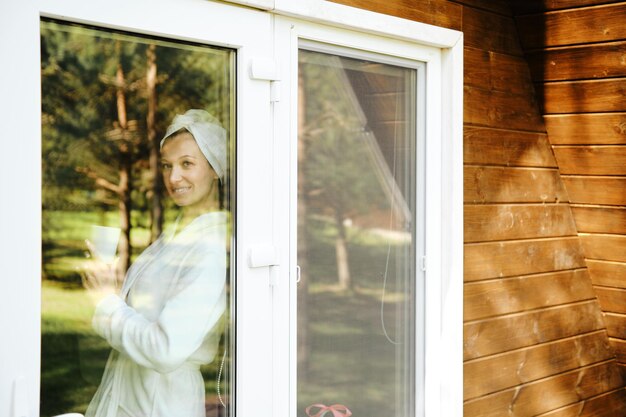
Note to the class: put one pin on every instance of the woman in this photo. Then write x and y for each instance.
(167, 319)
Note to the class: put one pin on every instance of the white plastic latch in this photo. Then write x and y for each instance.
(264, 69)
(265, 256)
(262, 255)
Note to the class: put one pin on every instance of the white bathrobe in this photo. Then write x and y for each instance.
(166, 322)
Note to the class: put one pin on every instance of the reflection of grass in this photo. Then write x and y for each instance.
(64, 234)
(351, 361)
(73, 356)
(367, 252)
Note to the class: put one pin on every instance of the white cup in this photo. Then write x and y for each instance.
(105, 240)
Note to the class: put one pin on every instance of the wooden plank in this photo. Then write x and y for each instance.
(512, 295)
(496, 6)
(548, 394)
(608, 405)
(487, 146)
(586, 96)
(615, 325)
(496, 71)
(512, 185)
(591, 160)
(619, 347)
(596, 190)
(535, 6)
(506, 222)
(505, 333)
(598, 379)
(576, 26)
(572, 410)
(607, 273)
(501, 110)
(507, 259)
(529, 364)
(587, 129)
(490, 31)
(580, 62)
(600, 219)
(604, 247)
(611, 300)
(434, 12)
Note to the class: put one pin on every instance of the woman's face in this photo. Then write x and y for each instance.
(188, 176)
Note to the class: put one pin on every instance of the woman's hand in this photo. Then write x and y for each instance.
(99, 278)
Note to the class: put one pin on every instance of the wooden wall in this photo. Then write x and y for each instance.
(576, 51)
(535, 339)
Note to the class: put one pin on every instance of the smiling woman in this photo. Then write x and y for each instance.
(193, 155)
(188, 177)
(167, 320)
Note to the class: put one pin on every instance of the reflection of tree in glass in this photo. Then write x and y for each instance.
(339, 181)
(98, 124)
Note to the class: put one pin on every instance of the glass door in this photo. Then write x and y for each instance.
(215, 210)
(360, 297)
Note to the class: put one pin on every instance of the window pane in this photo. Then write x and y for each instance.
(121, 206)
(357, 236)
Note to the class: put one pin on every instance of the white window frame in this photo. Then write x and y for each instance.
(265, 334)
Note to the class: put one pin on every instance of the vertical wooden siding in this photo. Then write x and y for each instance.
(579, 69)
(535, 339)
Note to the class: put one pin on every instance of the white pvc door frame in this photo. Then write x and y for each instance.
(442, 144)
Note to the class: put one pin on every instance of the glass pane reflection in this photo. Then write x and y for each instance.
(356, 237)
(161, 232)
